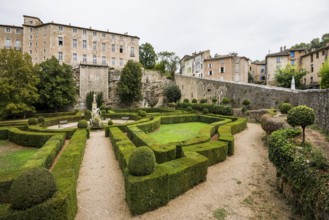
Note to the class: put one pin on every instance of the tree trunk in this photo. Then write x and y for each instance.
(303, 135)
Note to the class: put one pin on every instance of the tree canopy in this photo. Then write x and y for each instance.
(315, 43)
(18, 82)
(284, 76)
(147, 56)
(168, 63)
(324, 73)
(130, 83)
(57, 86)
(172, 92)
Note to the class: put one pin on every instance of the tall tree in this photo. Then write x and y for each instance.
(147, 56)
(130, 84)
(57, 86)
(284, 76)
(324, 73)
(18, 82)
(315, 43)
(170, 62)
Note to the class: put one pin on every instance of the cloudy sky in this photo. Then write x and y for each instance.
(251, 28)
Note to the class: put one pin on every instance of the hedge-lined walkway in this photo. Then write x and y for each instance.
(242, 187)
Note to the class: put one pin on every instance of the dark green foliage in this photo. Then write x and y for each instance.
(130, 84)
(82, 124)
(324, 73)
(304, 170)
(3, 133)
(226, 101)
(110, 122)
(284, 76)
(214, 100)
(89, 101)
(142, 113)
(28, 139)
(285, 107)
(194, 101)
(32, 121)
(202, 101)
(67, 131)
(57, 87)
(246, 102)
(99, 99)
(216, 109)
(189, 108)
(141, 162)
(32, 187)
(186, 100)
(55, 120)
(147, 56)
(41, 119)
(172, 92)
(301, 116)
(18, 82)
(168, 63)
(205, 111)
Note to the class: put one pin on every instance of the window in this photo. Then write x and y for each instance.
(75, 43)
(94, 45)
(31, 37)
(103, 34)
(60, 56)
(7, 30)
(121, 49)
(262, 70)
(31, 22)
(30, 44)
(18, 31)
(210, 65)
(103, 60)
(292, 54)
(84, 44)
(311, 58)
(312, 68)
(31, 29)
(74, 30)
(113, 47)
(103, 46)
(84, 32)
(113, 36)
(132, 52)
(7, 43)
(60, 28)
(222, 70)
(317, 55)
(113, 61)
(278, 59)
(84, 58)
(30, 52)
(292, 62)
(60, 41)
(18, 44)
(311, 79)
(94, 59)
(210, 73)
(94, 33)
(75, 57)
(121, 62)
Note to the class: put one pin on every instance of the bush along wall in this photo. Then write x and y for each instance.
(302, 174)
(212, 108)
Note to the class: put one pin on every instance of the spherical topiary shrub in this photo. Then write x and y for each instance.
(32, 187)
(82, 124)
(142, 113)
(205, 111)
(189, 108)
(246, 102)
(285, 107)
(226, 101)
(87, 112)
(202, 101)
(41, 119)
(186, 100)
(110, 122)
(141, 162)
(194, 101)
(32, 121)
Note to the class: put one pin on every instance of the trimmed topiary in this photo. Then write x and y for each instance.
(142, 113)
(226, 101)
(194, 101)
(246, 102)
(32, 187)
(189, 108)
(32, 121)
(203, 101)
(214, 100)
(41, 119)
(82, 124)
(141, 162)
(186, 100)
(205, 111)
(285, 107)
(87, 112)
(271, 124)
(110, 122)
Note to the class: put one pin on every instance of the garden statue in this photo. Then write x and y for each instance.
(95, 121)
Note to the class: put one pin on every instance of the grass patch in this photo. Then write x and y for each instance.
(220, 214)
(168, 133)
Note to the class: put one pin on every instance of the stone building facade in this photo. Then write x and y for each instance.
(193, 65)
(11, 37)
(258, 71)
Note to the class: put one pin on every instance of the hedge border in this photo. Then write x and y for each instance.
(68, 131)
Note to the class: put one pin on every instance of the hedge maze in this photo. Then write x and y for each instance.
(179, 166)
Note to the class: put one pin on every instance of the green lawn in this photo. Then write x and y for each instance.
(177, 132)
(11, 161)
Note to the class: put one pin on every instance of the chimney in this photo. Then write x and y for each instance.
(280, 49)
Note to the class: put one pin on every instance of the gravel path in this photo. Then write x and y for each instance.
(242, 187)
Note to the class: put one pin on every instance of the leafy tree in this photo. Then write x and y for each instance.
(301, 116)
(57, 86)
(301, 45)
(90, 99)
(170, 62)
(130, 83)
(315, 43)
(324, 73)
(172, 92)
(147, 56)
(284, 76)
(18, 82)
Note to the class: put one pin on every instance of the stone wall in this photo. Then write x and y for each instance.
(260, 96)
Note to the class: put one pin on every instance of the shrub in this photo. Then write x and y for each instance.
(270, 124)
(246, 102)
(32, 187)
(87, 112)
(82, 124)
(141, 162)
(301, 116)
(226, 101)
(194, 101)
(203, 101)
(205, 111)
(110, 122)
(189, 108)
(214, 100)
(173, 93)
(142, 113)
(186, 100)
(32, 121)
(41, 119)
(285, 107)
